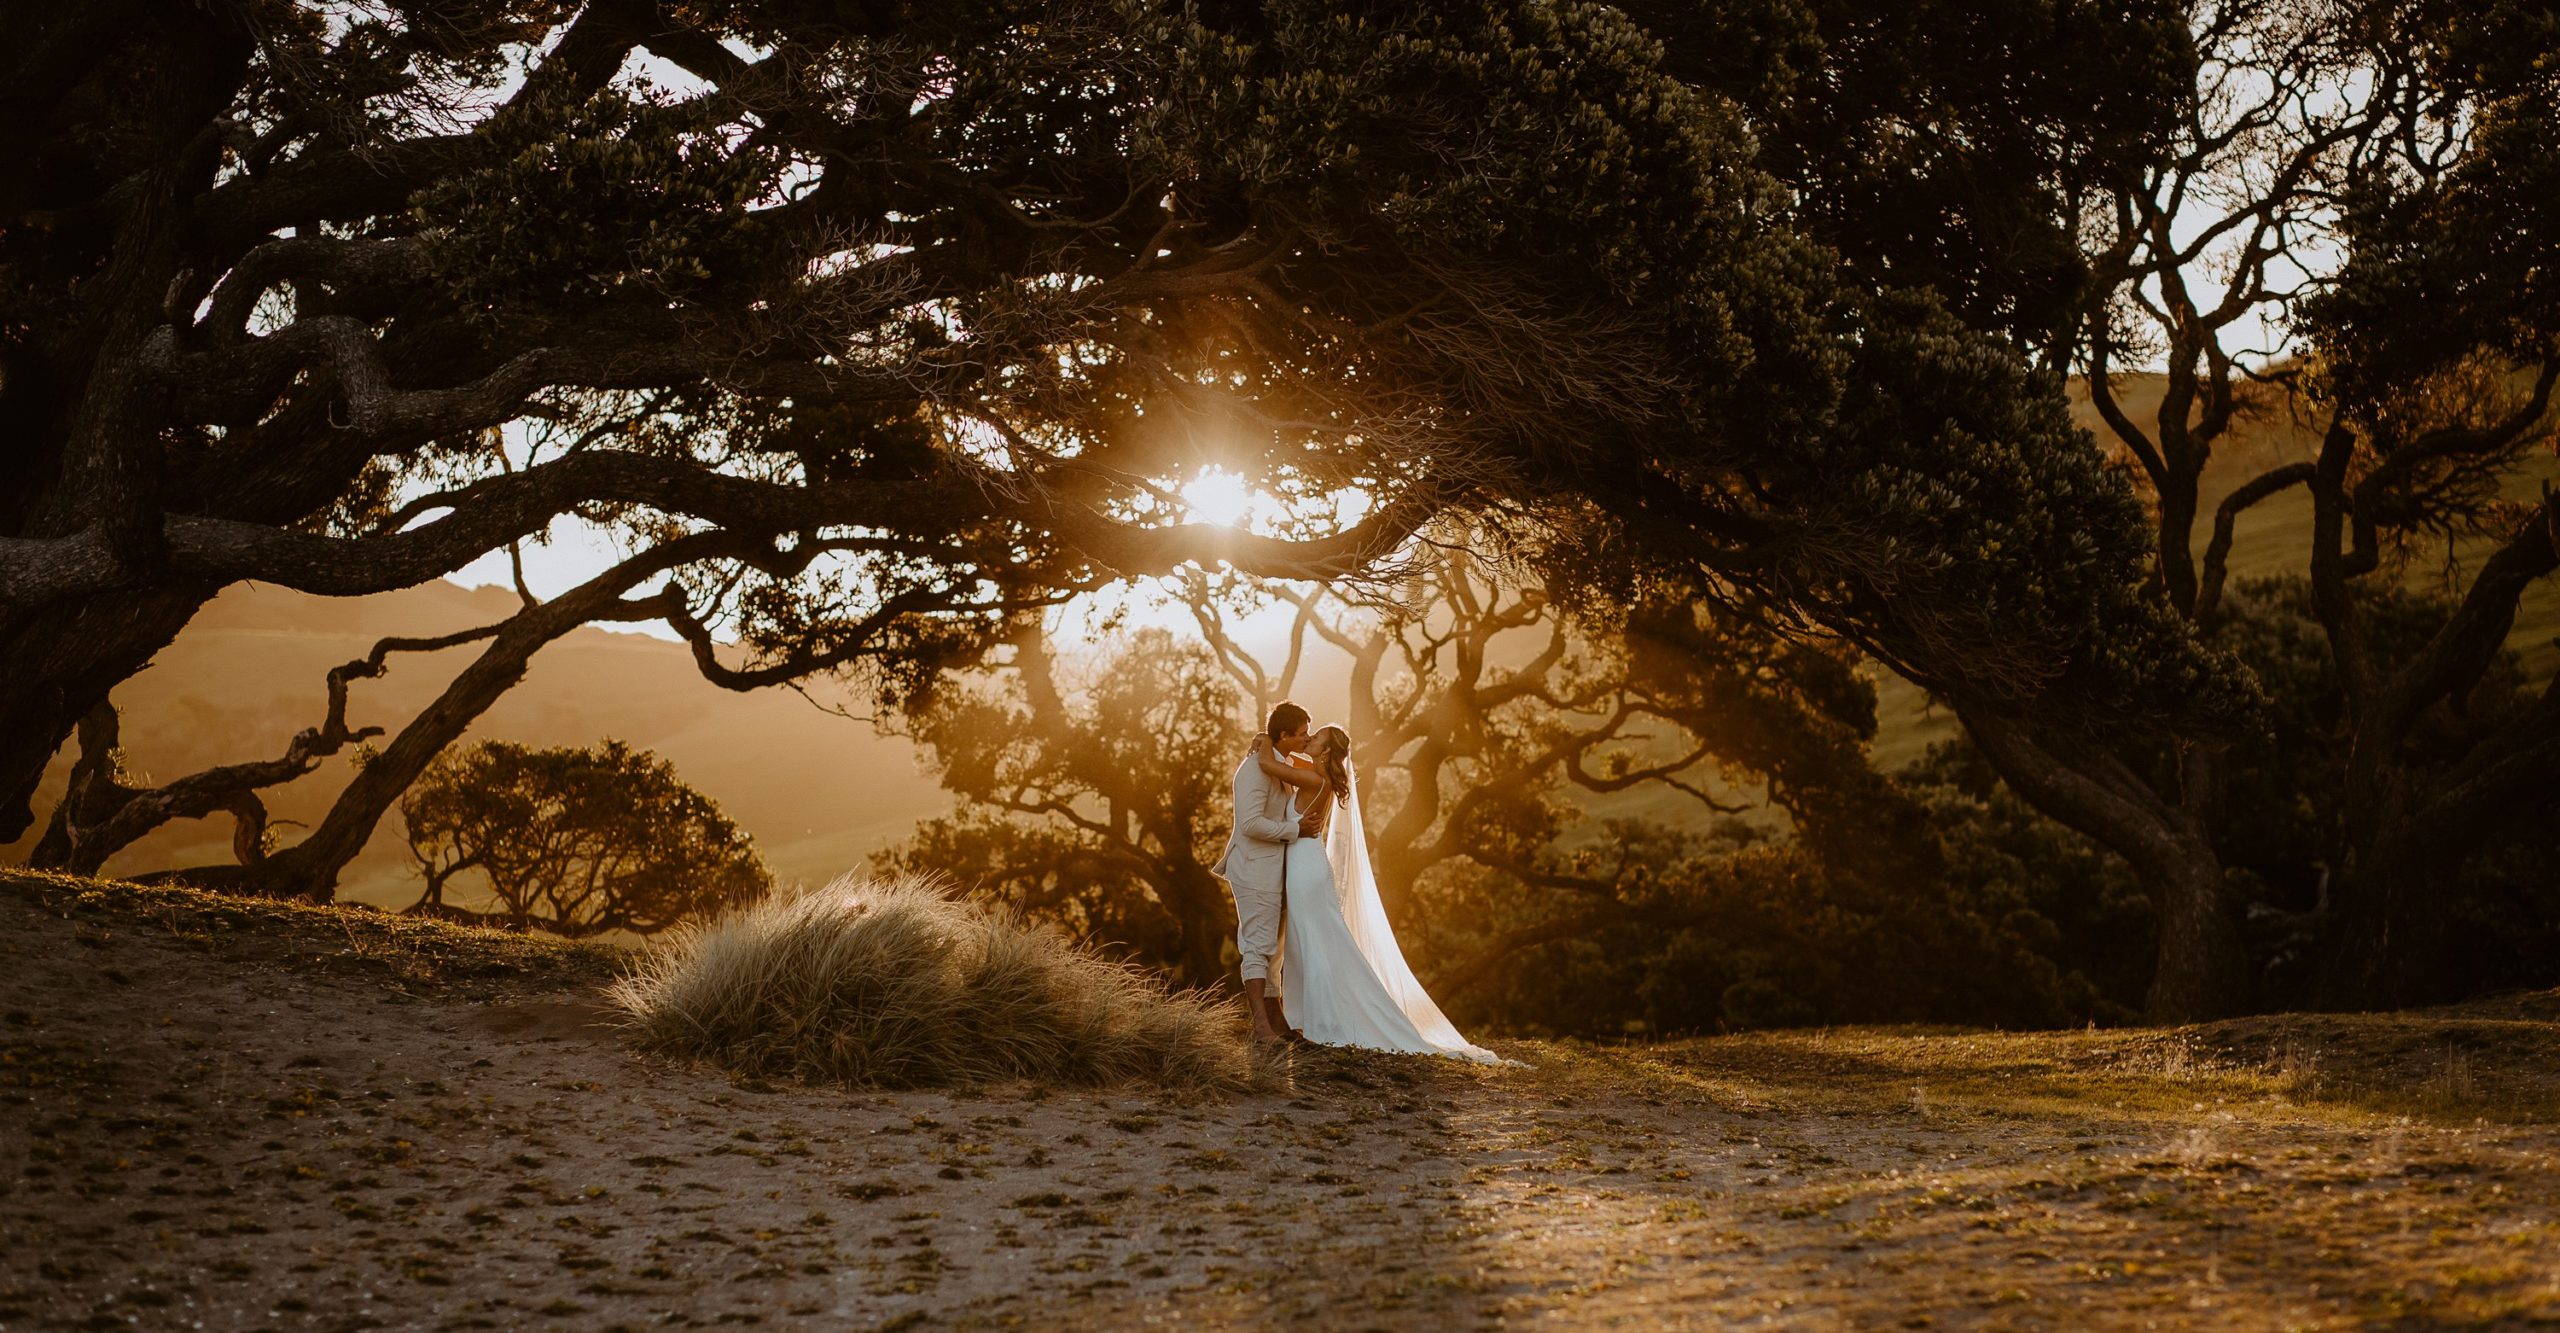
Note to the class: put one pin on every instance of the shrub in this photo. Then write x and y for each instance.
(1997, 919)
(892, 983)
(577, 842)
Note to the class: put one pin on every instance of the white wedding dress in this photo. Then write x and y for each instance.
(1343, 979)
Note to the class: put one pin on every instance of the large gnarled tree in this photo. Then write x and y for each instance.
(869, 330)
(2145, 189)
(2415, 140)
(863, 330)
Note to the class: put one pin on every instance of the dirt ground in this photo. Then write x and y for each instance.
(226, 1117)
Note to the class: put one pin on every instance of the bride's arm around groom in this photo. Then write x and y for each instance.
(1256, 795)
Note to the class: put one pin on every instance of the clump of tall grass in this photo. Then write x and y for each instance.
(892, 983)
(2451, 1087)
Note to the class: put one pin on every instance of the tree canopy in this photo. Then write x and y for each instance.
(576, 842)
(2329, 212)
(866, 329)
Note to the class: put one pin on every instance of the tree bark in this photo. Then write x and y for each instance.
(92, 391)
(2379, 953)
(2202, 969)
(2386, 945)
(61, 661)
(2389, 945)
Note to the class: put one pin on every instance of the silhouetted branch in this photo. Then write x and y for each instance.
(100, 815)
(2226, 517)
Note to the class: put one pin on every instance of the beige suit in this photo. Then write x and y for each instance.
(1256, 853)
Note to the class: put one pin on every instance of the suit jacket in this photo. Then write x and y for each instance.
(1263, 830)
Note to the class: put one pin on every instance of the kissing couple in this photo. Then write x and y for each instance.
(1320, 963)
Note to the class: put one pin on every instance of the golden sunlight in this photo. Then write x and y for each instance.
(1217, 496)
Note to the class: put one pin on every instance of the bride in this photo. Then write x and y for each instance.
(1343, 980)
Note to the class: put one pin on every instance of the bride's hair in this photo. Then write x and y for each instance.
(1337, 758)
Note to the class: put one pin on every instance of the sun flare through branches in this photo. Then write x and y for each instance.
(1219, 497)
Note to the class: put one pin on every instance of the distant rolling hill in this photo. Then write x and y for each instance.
(818, 791)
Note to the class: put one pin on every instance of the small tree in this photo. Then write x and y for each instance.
(1096, 801)
(2375, 180)
(576, 842)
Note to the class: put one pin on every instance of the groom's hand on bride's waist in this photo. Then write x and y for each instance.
(1310, 826)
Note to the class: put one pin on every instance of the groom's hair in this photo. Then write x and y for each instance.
(1286, 720)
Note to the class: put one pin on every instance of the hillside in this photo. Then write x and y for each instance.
(230, 1115)
(818, 791)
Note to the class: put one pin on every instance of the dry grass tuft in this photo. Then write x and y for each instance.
(2451, 1086)
(891, 983)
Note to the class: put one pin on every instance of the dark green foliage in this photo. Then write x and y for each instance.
(2059, 174)
(2283, 812)
(2071, 920)
(575, 842)
(623, 197)
(2000, 919)
(1958, 525)
(1807, 440)
(2462, 259)
(2503, 913)
(1946, 146)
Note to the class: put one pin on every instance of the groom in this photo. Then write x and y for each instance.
(1256, 856)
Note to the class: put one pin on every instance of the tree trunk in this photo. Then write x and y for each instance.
(2387, 945)
(95, 405)
(2203, 967)
(2203, 970)
(61, 661)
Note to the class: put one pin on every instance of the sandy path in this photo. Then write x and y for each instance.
(317, 1140)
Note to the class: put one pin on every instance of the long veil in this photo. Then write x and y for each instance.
(1346, 847)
